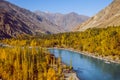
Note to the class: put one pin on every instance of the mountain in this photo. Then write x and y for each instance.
(65, 21)
(110, 16)
(15, 21)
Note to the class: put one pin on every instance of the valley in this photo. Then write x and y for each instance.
(39, 45)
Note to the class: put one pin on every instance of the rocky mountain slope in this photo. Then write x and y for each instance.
(16, 21)
(110, 16)
(65, 21)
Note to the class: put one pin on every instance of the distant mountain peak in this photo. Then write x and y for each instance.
(73, 13)
(47, 12)
(16, 21)
(66, 21)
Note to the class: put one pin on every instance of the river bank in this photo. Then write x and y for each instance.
(88, 68)
(106, 59)
(69, 73)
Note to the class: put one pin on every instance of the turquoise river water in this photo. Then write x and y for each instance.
(88, 68)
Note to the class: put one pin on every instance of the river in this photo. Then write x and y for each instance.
(88, 68)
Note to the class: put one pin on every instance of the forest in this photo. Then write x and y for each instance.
(104, 42)
(29, 59)
(30, 64)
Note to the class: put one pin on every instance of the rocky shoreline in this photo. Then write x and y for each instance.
(71, 76)
(107, 60)
(69, 73)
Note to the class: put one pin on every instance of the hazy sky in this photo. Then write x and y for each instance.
(85, 7)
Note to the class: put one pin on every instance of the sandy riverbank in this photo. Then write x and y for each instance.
(71, 76)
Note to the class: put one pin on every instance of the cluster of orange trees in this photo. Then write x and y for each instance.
(29, 63)
(104, 42)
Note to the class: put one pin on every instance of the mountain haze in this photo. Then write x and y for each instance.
(15, 21)
(65, 21)
(110, 16)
